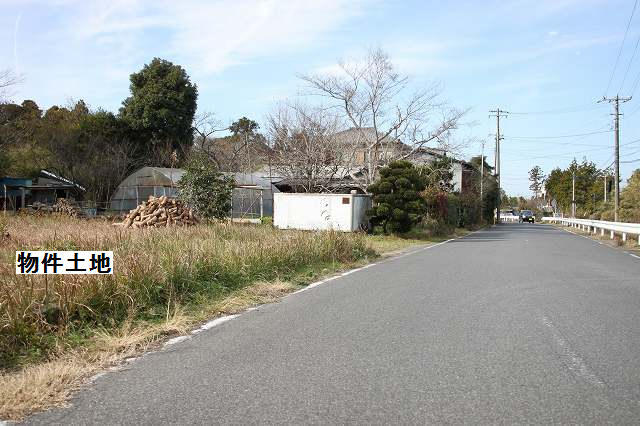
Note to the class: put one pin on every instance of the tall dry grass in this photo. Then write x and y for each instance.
(155, 270)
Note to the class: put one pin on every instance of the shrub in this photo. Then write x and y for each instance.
(397, 203)
(436, 203)
(205, 189)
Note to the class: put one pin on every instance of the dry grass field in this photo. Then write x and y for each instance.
(156, 271)
(58, 330)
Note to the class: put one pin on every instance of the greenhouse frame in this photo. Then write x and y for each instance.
(252, 195)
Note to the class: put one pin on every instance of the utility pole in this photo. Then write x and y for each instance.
(605, 187)
(616, 120)
(481, 181)
(573, 196)
(497, 113)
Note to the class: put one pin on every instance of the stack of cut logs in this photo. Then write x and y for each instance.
(63, 206)
(157, 212)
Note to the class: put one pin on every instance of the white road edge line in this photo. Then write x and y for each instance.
(226, 318)
(601, 243)
(175, 340)
(215, 322)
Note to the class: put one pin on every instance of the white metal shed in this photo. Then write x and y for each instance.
(340, 212)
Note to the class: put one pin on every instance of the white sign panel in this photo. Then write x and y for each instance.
(63, 262)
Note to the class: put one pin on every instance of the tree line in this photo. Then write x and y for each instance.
(98, 148)
(421, 197)
(368, 117)
(593, 188)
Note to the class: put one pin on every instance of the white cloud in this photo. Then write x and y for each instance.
(212, 36)
(83, 48)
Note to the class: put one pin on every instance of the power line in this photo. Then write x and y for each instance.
(630, 62)
(635, 85)
(609, 160)
(559, 110)
(633, 11)
(554, 143)
(574, 152)
(632, 161)
(559, 136)
(637, 109)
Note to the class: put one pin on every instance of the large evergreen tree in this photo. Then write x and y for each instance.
(162, 105)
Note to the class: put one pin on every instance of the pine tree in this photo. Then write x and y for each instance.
(396, 196)
(536, 177)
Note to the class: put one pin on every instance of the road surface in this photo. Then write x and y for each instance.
(517, 323)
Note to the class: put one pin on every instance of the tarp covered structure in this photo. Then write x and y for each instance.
(252, 195)
(139, 185)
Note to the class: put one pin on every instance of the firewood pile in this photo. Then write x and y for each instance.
(158, 212)
(64, 206)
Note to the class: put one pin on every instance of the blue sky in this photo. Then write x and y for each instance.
(551, 59)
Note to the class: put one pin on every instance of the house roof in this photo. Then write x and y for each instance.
(54, 182)
(164, 176)
(64, 182)
(366, 134)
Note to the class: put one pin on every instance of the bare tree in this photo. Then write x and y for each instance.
(390, 122)
(8, 79)
(243, 150)
(205, 124)
(305, 146)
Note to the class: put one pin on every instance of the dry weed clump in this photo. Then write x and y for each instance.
(40, 386)
(155, 270)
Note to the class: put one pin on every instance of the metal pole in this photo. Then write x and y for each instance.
(605, 188)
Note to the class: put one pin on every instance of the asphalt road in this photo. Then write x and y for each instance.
(518, 323)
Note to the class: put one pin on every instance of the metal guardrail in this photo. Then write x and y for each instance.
(592, 226)
(509, 218)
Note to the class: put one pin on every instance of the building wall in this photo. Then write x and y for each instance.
(341, 212)
(457, 177)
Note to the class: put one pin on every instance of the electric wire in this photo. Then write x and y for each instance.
(573, 152)
(559, 136)
(635, 49)
(635, 85)
(610, 160)
(567, 110)
(615, 66)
